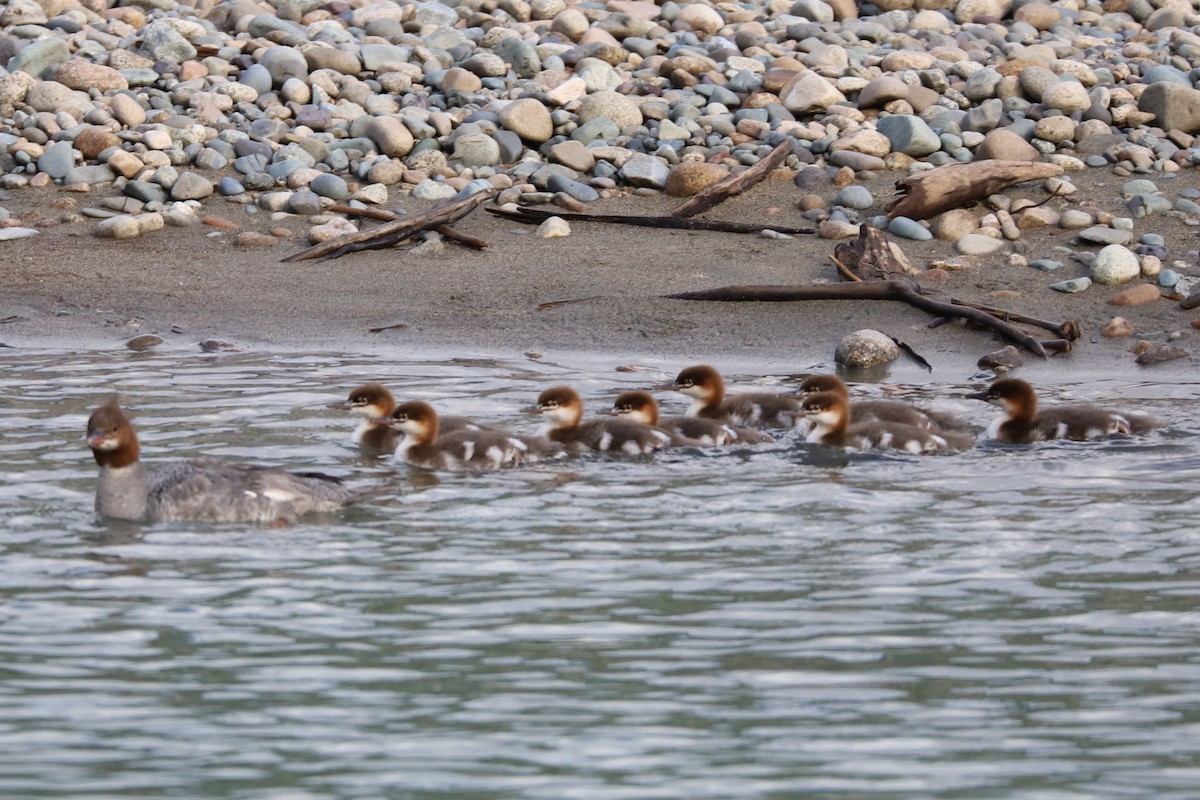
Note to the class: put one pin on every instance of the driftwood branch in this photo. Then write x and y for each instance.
(868, 290)
(534, 216)
(927, 194)
(392, 233)
(1068, 330)
(383, 215)
(735, 184)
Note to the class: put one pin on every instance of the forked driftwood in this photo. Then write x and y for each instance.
(869, 290)
(869, 258)
(383, 215)
(735, 184)
(927, 194)
(534, 215)
(392, 233)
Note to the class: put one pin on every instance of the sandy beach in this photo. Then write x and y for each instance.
(67, 288)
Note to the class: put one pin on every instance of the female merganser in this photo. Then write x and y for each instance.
(425, 446)
(642, 407)
(753, 410)
(200, 489)
(375, 403)
(563, 407)
(884, 410)
(1024, 422)
(830, 415)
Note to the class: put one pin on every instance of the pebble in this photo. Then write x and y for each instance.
(1115, 264)
(977, 244)
(1005, 359)
(1117, 328)
(553, 228)
(866, 348)
(1073, 286)
(1136, 295)
(425, 97)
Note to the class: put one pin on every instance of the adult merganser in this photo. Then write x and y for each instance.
(1024, 422)
(375, 403)
(423, 444)
(200, 489)
(830, 415)
(563, 407)
(642, 407)
(706, 387)
(883, 410)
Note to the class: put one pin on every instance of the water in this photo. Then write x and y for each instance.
(784, 622)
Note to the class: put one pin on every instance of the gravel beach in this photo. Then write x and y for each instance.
(157, 160)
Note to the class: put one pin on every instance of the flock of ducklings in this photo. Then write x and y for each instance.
(821, 410)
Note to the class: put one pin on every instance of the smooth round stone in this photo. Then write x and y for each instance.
(57, 160)
(1102, 234)
(619, 108)
(329, 185)
(529, 119)
(693, 177)
(855, 196)
(476, 150)
(1046, 264)
(433, 190)
(305, 203)
(600, 129)
(229, 187)
(191, 186)
(553, 228)
(859, 162)
(865, 349)
(1115, 264)
(9, 234)
(976, 244)
(909, 229)
(1066, 96)
(473, 187)
(1145, 205)
(1168, 278)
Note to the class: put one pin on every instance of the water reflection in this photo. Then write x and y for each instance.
(770, 622)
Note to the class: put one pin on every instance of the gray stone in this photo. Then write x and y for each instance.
(145, 191)
(909, 229)
(1102, 234)
(9, 234)
(36, 57)
(859, 162)
(977, 244)
(229, 187)
(162, 42)
(476, 150)
(865, 349)
(257, 77)
(1144, 205)
(433, 190)
(191, 186)
(329, 185)
(1005, 359)
(601, 129)
(375, 56)
(1073, 286)
(57, 160)
(645, 171)
(854, 196)
(305, 203)
(283, 63)
(985, 116)
(1046, 264)
(909, 135)
(580, 191)
(91, 174)
(119, 227)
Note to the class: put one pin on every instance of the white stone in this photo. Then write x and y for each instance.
(553, 228)
(1115, 264)
(977, 244)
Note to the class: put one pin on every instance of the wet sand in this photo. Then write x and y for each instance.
(69, 289)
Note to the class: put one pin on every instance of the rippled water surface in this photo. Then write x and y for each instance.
(769, 623)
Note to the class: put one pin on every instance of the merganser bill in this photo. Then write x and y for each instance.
(425, 446)
(830, 415)
(706, 387)
(1024, 422)
(563, 408)
(200, 489)
(884, 410)
(642, 407)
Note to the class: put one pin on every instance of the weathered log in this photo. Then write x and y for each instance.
(735, 184)
(928, 194)
(391, 233)
(867, 290)
(535, 216)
